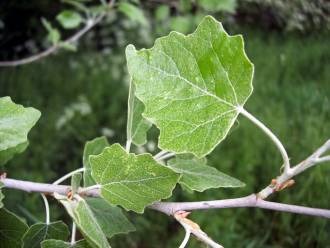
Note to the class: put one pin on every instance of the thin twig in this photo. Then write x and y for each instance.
(170, 208)
(315, 159)
(89, 25)
(192, 227)
(70, 174)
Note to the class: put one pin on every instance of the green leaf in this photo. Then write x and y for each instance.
(131, 181)
(137, 126)
(12, 228)
(85, 220)
(41, 231)
(54, 35)
(53, 243)
(69, 19)
(15, 123)
(8, 154)
(196, 175)
(93, 147)
(133, 13)
(192, 86)
(1, 194)
(75, 182)
(218, 5)
(110, 218)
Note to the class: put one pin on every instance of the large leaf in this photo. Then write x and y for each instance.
(85, 220)
(1, 195)
(15, 123)
(93, 147)
(53, 243)
(42, 231)
(110, 218)
(12, 229)
(137, 126)
(132, 181)
(198, 176)
(192, 86)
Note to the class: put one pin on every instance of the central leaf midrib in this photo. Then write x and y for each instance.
(191, 84)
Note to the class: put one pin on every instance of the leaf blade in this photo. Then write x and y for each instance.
(206, 73)
(129, 180)
(15, 123)
(200, 177)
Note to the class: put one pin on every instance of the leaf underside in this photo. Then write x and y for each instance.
(85, 221)
(192, 85)
(131, 181)
(198, 176)
(93, 147)
(137, 126)
(110, 218)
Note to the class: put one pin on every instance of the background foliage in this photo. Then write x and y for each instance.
(83, 95)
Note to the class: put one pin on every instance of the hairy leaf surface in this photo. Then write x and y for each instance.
(137, 126)
(110, 218)
(12, 228)
(85, 220)
(192, 85)
(93, 147)
(196, 175)
(41, 231)
(15, 123)
(131, 181)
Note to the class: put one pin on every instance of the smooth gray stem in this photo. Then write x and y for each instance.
(170, 208)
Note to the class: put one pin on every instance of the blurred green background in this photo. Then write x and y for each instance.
(83, 95)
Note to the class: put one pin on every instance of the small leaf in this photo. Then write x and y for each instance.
(15, 123)
(69, 19)
(110, 218)
(75, 182)
(137, 126)
(196, 175)
(53, 35)
(41, 231)
(93, 147)
(85, 220)
(131, 181)
(1, 194)
(133, 13)
(192, 86)
(53, 243)
(12, 229)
